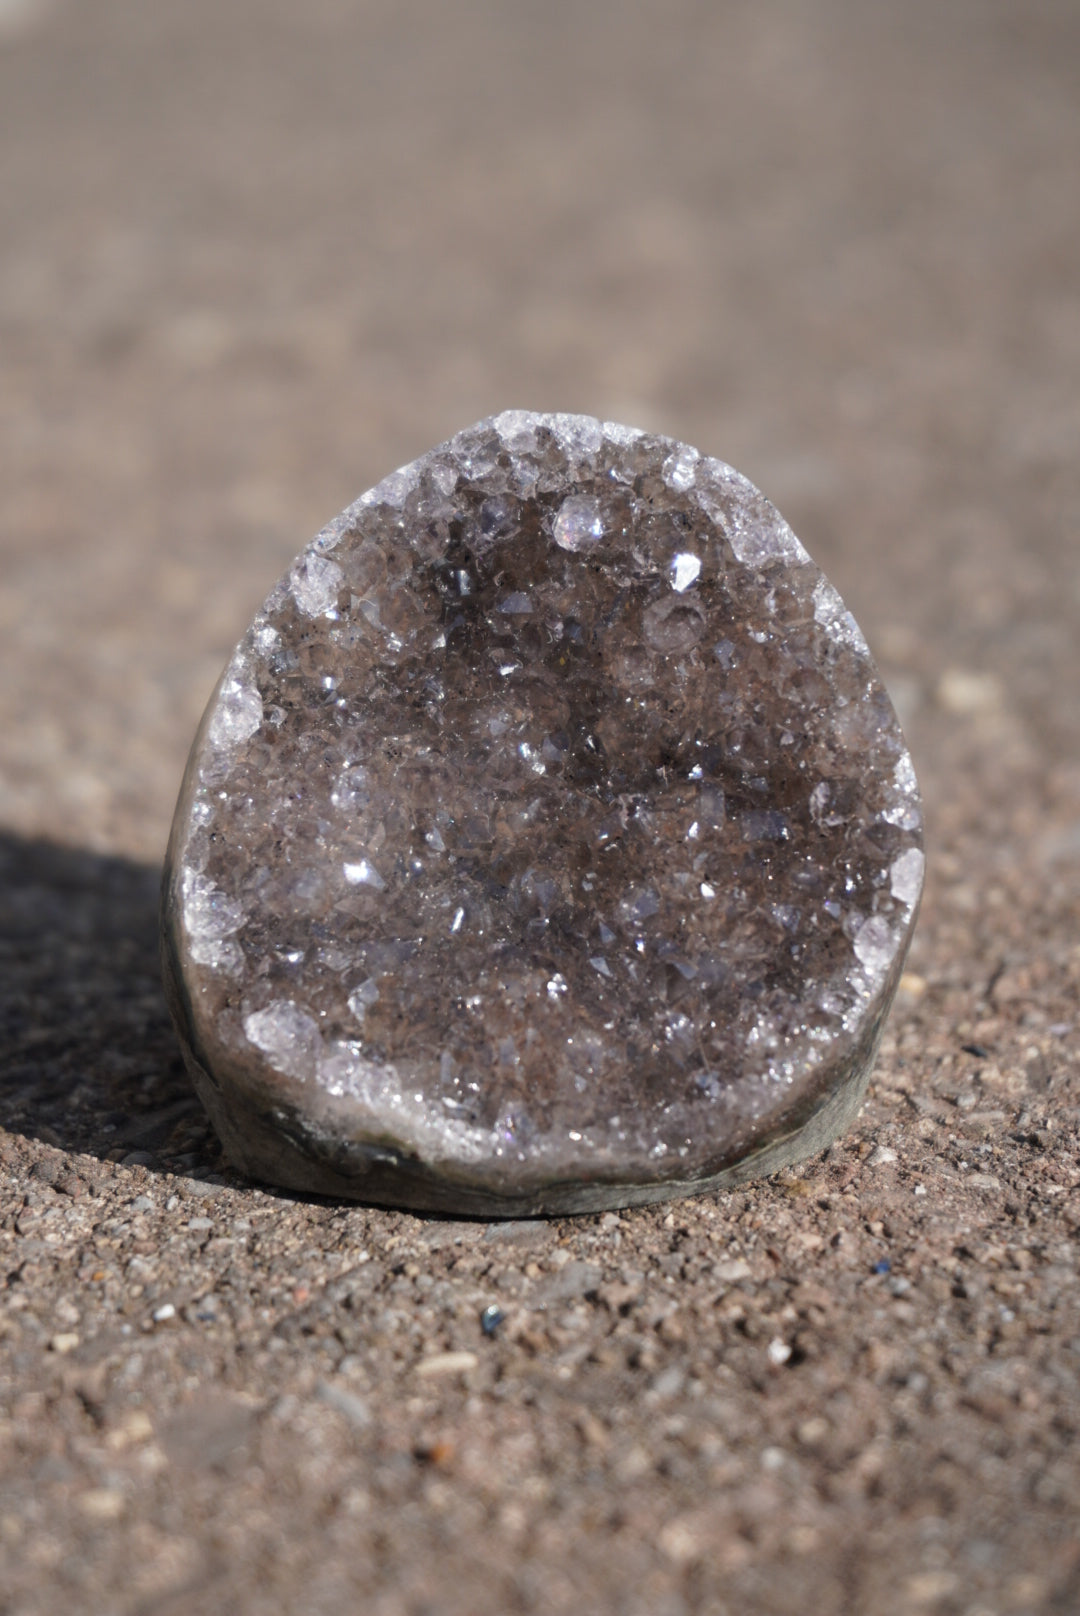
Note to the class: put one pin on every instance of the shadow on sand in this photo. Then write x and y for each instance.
(88, 1058)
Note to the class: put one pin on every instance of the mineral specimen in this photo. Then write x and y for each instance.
(549, 844)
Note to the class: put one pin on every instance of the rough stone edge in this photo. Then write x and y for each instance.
(274, 1144)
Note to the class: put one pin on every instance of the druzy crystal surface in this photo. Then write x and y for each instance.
(549, 843)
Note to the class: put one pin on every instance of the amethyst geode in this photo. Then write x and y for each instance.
(550, 842)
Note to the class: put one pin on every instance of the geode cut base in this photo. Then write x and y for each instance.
(549, 844)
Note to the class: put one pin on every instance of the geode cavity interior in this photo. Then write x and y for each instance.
(550, 842)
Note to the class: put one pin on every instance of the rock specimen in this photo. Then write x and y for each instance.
(549, 844)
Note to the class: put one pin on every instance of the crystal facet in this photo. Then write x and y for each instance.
(550, 842)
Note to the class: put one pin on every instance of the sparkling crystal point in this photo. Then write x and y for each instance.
(549, 844)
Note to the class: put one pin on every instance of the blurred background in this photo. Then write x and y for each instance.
(253, 254)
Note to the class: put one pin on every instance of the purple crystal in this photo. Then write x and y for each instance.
(549, 844)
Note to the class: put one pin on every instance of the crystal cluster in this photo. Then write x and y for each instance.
(549, 843)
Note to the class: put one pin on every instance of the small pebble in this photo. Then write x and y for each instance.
(447, 1363)
(491, 1318)
(162, 1314)
(354, 1408)
(779, 1351)
(435, 1453)
(669, 1382)
(813, 1431)
(964, 692)
(731, 1269)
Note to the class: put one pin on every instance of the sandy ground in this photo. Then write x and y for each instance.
(253, 255)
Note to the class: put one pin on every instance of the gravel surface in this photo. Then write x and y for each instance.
(252, 257)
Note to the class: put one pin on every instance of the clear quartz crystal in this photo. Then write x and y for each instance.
(550, 842)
